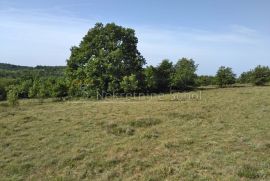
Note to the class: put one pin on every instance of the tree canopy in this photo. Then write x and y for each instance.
(184, 76)
(104, 57)
(225, 76)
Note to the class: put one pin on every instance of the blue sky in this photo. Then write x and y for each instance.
(212, 32)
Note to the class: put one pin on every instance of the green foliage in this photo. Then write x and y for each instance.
(261, 75)
(25, 78)
(164, 74)
(225, 76)
(12, 96)
(120, 130)
(145, 122)
(129, 84)
(24, 72)
(4, 84)
(60, 89)
(205, 80)
(104, 57)
(48, 87)
(150, 77)
(33, 91)
(248, 171)
(184, 76)
(246, 77)
(24, 88)
(107, 61)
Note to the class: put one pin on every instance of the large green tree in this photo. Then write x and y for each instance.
(260, 75)
(246, 77)
(184, 77)
(104, 57)
(225, 76)
(164, 72)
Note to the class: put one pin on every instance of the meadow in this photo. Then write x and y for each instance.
(223, 135)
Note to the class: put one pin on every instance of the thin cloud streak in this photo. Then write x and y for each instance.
(35, 37)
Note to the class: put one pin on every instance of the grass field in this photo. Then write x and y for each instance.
(225, 135)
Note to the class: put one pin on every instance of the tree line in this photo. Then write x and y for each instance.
(107, 61)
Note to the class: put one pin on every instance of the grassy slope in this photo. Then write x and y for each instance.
(224, 136)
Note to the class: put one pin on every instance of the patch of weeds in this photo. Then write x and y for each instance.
(113, 175)
(187, 141)
(70, 162)
(5, 145)
(4, 105)
(113, 162)
(166, 171)
(178, 144)
(28, 119)
(11, 114)
(79, 157)
(145, 122)
(16, 154)
(95, 167)
(151, 134)
(186, 116)
(138, 165)
(99, 166)
(119, 130)
(3, 126)
(21, 169)
(249, 171)
(171, 145)
(267, 145)
(51, 162)
(161, 173)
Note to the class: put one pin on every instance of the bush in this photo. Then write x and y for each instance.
(261, 75)
(12, 96)
(4, 84)
(225, 76)
(164, 73)
(150, 79)
(184, 76)
(129, 84)
(60, 89)
(246, 77)
(205, 80)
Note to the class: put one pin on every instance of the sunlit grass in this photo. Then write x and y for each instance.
(224, 135)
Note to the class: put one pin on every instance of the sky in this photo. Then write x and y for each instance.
(213, 33)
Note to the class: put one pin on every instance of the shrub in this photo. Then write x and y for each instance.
(261, 75)
(4, 84)
(225, 76)
(164, 73)
(129, 83)
(60, 89)
(205, 80)
(246, 77)
(12, 96)
(184, 76)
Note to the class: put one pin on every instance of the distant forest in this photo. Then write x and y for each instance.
(17, 71)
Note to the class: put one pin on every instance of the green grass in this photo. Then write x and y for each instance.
(223, 136)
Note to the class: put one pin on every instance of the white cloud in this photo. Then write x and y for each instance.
(32, 37)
